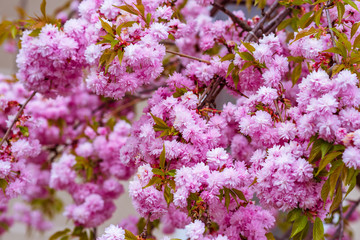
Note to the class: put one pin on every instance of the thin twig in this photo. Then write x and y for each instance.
(145, 230)
(16, 118)
(261, 23)
(188, 56)
(234, 18)
(95, 232)
(331, 32)
(274, 23)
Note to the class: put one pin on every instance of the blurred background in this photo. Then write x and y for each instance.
(124, 206)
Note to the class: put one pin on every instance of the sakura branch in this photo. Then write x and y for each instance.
(234, 18)
(19, 113)
(187, 56)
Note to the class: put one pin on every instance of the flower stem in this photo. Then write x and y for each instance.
(16, 118)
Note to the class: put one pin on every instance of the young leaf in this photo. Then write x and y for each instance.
(325, 191)
(269, 236)
(153, 180)
(248, 46)
(295, 75)
(3, 184)
(247, 56)
(318, 229)
(326, 160)
(299, 225)
(162, 158)
(229, 56)
(59, 234)
(227, 197)
(106, 27)
(240, 194)
(341, 10)
(337, 200)
(351, 3)
(43, 8)
(129, 235)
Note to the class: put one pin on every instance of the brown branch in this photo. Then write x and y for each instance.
(331, 32)
(234, 18)
(144, 233)
(275, 22)
(341, 219)
(260, 24)
(16, 118)
(188, 56)
(347, 216)
(211, 92)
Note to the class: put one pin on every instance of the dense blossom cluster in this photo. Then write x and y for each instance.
(288, 142)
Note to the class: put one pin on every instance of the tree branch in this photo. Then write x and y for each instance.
(234, 18)
(331, 32)
(347, 216)
(211, 92)
(274, 23)
(16, 118)
(261, 23)
(188, 56)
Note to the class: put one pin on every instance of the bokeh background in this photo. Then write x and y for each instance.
(124, 207)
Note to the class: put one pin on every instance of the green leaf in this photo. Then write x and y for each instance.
(341, 10)
(240, 194)
(43, 8)
(35, 32)
(227, 197)
(120, 54)
(229, 56)
(352, 185)
(59, 234)
(318, 229)
(334, 176)
(305, 33)
(246, 56)
(235, 76)
(153, 180)
(128, 8)
(354, 28)
(334, 50)
(106, 27)
(326, 160)
(24, 130)
(13, 31)
(294, 214)
(129, 235)
(325, 147)
(284, 24)
(357, 42)
(3, 184)
(325, 191)
(148, 18)
(159, 122)
(299, 225)
(169, 197)
(315, 150)
(351, 3)
(162, 158)
(318, 16)
(179, 92)
(337, 200)
(269, 236)
(123, 25)
(305, 18)
(248, 46)
(158, 172)
(295, 75)
(171, 172)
